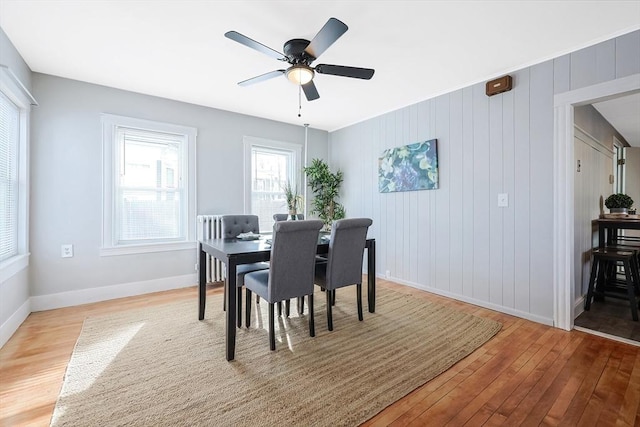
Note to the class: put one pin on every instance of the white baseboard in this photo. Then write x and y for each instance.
(103, 293)
(11, 325)
(578, 307)
(502, 309)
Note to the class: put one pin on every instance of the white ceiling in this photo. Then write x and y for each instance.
(624, 114)
(419, 49)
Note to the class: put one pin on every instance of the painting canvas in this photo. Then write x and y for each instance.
(410, 167)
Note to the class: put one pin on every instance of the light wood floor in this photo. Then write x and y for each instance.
(528, 374)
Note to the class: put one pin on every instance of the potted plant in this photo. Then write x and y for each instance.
(618, 203)
(293, 199)
(326, 187)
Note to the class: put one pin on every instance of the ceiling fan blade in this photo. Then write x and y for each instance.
(327, 35)
(341, 70)
(262, 77)
(242, 39)
(310, 91)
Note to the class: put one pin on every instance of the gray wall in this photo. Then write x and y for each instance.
(455, 240)
(66, 179)
(14, 292)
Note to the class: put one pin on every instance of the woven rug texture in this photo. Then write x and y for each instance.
(160, 366)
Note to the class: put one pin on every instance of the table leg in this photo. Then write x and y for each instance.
(371, 276)
(601, 239)
(232, 290)
(202, 282)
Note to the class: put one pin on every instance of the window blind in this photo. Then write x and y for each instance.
(9, 140)
(149, 189)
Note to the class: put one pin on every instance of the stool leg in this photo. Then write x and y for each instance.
(635, 269)
(600, 280)
(631, 289)
(592, 279)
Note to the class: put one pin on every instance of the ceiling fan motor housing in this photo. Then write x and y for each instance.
(294, 50)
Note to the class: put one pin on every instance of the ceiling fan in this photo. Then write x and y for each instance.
(300, 53)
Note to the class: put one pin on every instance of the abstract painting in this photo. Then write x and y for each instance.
(410, 167)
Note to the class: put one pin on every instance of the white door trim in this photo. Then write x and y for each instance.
(563, 187)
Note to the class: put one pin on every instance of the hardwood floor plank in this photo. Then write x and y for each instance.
(614, 393)
(508, 385)
(486, 402)
(445, 409)
(569, 381)
(431, 392)
(528, 374)
(630, 409)
(584, 395)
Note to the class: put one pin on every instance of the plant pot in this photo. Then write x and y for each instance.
(293, 215)
(618, 210)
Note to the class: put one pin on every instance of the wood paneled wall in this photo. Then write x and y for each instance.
(455, 240)
(591, 188)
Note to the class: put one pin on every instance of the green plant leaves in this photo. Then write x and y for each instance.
(326, 187)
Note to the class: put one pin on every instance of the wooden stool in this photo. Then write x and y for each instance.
(600, 258)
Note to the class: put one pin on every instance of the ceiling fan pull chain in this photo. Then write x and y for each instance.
(299, 100)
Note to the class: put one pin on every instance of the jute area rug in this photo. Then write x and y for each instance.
(162, 367)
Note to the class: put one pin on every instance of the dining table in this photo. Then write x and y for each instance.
(608, 228)
(233, 252)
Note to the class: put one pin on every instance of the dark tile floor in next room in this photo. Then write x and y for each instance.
(613, 317)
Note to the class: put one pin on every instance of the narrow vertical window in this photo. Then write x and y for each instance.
(9, 149)
(271, 165)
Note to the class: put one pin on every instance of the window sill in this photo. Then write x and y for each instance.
(13, 266)
(149, 248)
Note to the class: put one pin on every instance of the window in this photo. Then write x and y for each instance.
(9, 142)
(149, 179)
(15, 105)
(269, 164)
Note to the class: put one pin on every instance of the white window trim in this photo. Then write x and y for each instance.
(249, 142)
(109, 123)
(11, 86)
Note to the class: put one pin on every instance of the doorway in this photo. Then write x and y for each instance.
(567, 295)
(602, 168)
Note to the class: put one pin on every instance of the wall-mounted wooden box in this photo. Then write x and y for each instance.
(499, 85)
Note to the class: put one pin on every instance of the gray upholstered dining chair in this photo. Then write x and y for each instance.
(284, 217)
(344, 261)
(232, 227)
(291, 270)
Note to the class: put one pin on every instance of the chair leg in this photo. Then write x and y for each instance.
(312, 324)
(248, 312)
(359, 297)
(272, 332)
(333, 297)
(329, 314)
(631, 290)
(257, 299)
(287, 308)
(300, 306)
(279, 309)
(239, 310)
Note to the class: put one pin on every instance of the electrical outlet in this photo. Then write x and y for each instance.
(67, 251)
(387, 274)
(503, 200)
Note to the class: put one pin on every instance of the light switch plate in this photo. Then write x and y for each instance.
(503, 200)
(67, 251)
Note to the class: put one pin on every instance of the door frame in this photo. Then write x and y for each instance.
(563, 188)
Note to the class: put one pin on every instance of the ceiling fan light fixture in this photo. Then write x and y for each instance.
(300, 74)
